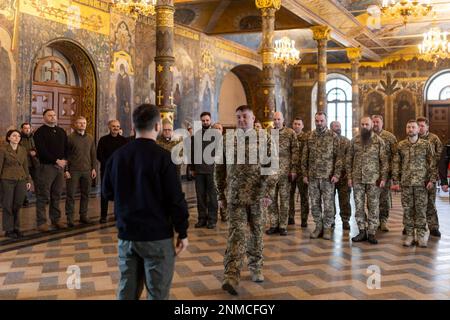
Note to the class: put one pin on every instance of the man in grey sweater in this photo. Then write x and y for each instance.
(80, 170)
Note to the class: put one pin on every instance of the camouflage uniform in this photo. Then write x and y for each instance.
(321, 160)
(302, 187)
(288, 162)
(366, 166)
(243, 186)
(342, 187)
(413, 168)
(169, 144)
(390, 142)
(432, 217)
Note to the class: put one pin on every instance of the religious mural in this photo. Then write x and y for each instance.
(404, 110)
(7, 82)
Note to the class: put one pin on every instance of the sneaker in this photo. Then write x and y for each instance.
(85, 220)
(283, 232)
(11, 234)
(211, 226)
(362, 236)
(43, 227)
(345, 225)
(70, 224)
(327, 234)
(372, 240)
(304, 224)
(257, 276)
(383, 227)
(103, 220)
(409, 241)
(18, 233)
(230, 286)
(59, 225)
(272, 230)
(435, 233)
(200, 224)
(317, 233)
(291, 221)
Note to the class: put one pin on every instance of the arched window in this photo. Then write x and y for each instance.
(438, 87)
(339, 103)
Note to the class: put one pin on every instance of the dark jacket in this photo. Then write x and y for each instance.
(106, 147)
(202, 168)
(51, 144)
(443, 165)
(14, 164)
(148, 201)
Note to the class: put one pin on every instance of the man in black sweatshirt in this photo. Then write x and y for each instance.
(149, 204)
(106, 147)
(51, 147)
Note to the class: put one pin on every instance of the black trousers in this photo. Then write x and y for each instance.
(103, 201)
(206, 198)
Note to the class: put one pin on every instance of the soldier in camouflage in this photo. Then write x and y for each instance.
(245, 190)
(287, 172)
(297, 125)
(321, 168)
(390, 142)
(167, 141)
(436, 144)
(367, 171)
(342, 187)
(413, 171)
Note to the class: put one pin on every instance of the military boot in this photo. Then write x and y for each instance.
(317, 233)
(327, 233)
(383, 227)
(230, 286)
(422, 241)
(372, 240)
(257, 276)
(362, 236)
(435, 233)
(409, 241)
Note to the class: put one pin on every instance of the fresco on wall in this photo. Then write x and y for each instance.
(404, 111)
(375, 104)
(6, 84)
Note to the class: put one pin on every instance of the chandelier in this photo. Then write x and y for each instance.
(405, 8)
(134, 8)
(285, 52)
(434, 45)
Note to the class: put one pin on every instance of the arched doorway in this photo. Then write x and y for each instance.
(239, 86)
(64, 80)
(437, 104)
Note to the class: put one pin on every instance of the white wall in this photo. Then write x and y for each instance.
(232, 95)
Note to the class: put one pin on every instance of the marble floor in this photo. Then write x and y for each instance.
(296, 267)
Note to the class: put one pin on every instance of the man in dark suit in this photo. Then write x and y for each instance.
(149, 204)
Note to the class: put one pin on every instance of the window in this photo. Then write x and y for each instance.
(439, 88)
(339, 104)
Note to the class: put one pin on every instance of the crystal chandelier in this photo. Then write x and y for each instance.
(405, 8)
(434, 45)
(135, 8)
(285, 52)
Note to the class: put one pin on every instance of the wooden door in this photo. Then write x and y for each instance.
(439, 116)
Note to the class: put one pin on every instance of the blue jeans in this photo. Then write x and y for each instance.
(149, 263)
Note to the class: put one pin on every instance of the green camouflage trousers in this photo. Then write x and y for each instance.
(343, 191)
(239, 243)
(414, 203)
(278, 210)
(370, 221)
(322, 191)
(304, 200)
(432, 216)
(385, 202)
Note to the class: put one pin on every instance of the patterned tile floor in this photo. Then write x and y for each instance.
(296, 267)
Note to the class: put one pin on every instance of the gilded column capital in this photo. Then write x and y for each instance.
(268, 4)
(321, 32)
(354, 54)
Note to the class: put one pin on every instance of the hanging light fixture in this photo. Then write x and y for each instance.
(406, 9)
(134, 8)
(285, 52)
(434, 45)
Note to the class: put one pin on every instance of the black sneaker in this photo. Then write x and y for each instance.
(272, 230)
(200, 224)
(283, 232)
(85, 220)
(18, 233)
(11, 234)
(435, 233)
(70, 225)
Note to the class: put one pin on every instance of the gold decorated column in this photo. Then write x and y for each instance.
(321, 34)
(268, 9)
(164, 58)
(354, 55)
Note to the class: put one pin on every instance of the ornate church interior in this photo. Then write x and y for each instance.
(101, 59)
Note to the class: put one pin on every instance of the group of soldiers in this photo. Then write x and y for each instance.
(320, 164)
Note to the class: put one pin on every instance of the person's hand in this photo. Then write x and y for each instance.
(67, 175)
(33, 153)
(182, 244)
(305, 180)
(28, 186)
(61, 163)
(93, 174)
(382, 183)
(193, 173)
(334, 180)
(350, 183)
(266, 202)
(444, 187)
(430, 185)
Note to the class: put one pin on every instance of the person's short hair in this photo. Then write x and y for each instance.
(111, 121)
(243, 108)
(377, 116)
(10, 132)
(298, 119)
(145, 117)
(47, 110)
(320, 113)
(412, 121)
(25, 124)
(205, 113)
(80, 118)
(423, 119)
